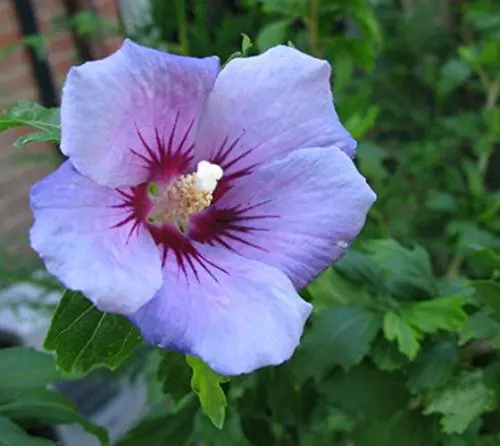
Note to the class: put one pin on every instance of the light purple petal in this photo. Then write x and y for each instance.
(297, 214)
(237, 321)
(117, 268)
(268, 105)
(106, 104)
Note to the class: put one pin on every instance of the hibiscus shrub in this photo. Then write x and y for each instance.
(401, 345)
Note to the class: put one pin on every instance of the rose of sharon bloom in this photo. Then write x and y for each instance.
(196, 201)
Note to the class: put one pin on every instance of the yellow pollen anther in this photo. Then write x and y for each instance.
(189, 195)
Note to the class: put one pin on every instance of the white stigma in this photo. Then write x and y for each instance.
(207, 175)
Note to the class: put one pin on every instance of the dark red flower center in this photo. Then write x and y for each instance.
(176, 212)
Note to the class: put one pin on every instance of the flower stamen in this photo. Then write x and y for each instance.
(188, 195)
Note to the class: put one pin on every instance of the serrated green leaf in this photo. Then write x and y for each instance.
(47, 406)
(434, 366)
(461, 401)
(407, 271)
(340, 336)
(12, 435)
(175, 374)
(206, 384)
(365, 390)
(443, 313)
(387, 356)
(25, 113)
(23, 369)
(479, 325)
(489, 293)
(172, 429)
(83, 337)
(396, 329)
(330, 290)
(360, 269)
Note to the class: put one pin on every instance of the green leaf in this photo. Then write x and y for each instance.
(206, 384)
(293, 8)
(246, 45)
(173, 429)
(480, 325)
(491, 258)
(443, 313)
(340, 336)
(403, 428)
(434, 367)
(360, 122)
(370, 157)
(330, 290)
(489, 292)
(453, 74)
(231, 435)
(48, 137)
(407, 271)
(360, 269)
(12, 435)
(49, 407)
(23, 369)
(272, 34)
(387, 356)
(488, 440)
(367, 392)
(46, 120)
(396, 329)
(175, 374)
(83, 337)
(461, 401)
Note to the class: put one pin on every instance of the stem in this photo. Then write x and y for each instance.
(492, 94)
(455, 265)
(180, 8)
(313, 24)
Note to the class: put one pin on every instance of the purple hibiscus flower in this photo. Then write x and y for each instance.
(197, 201)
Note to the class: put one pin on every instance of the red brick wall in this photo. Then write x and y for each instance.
(17, 82)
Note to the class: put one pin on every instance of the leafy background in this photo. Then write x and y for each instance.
(402, 346)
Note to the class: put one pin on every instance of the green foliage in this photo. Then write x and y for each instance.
(83, 337)
(434, 367)
(176, 426)
(23, 369)
(12, 435)
(406, 271)
(45, 120)
(461, 401)
(444, 313)
(175, 375)
(206, 384)
(397, 329)
(24, 397)
(489, 293)
(345, 334)
(49, 407)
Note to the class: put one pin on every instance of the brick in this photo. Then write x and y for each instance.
(60, 43)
